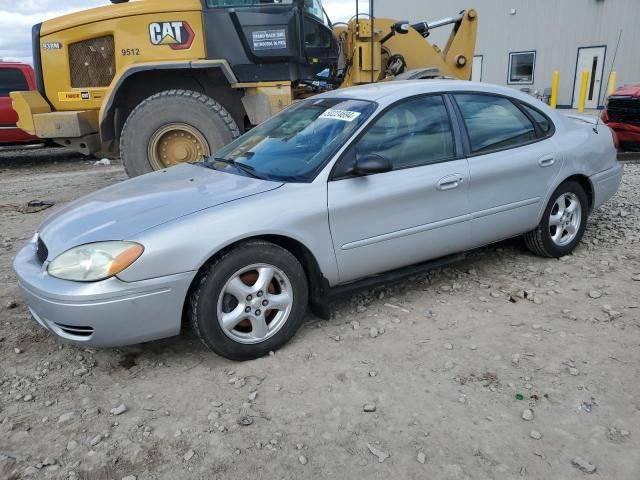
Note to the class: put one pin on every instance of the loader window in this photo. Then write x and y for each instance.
(295, 144)
(12, 80)
(316, 35)
(314, 7)
(243, 3)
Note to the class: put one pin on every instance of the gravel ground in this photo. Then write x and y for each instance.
(504, 366)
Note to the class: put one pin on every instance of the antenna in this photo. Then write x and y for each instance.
(615, 53)
(371, 20)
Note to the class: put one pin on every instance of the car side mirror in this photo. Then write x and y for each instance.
(372, 163)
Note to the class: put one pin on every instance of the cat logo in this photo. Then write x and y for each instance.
(178, 35)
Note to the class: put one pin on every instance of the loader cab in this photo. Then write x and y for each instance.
(270, 40)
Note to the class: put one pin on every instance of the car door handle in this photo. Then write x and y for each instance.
(449, 182)
(546, 161)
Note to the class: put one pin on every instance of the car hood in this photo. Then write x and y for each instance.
(627, 91)
(127, 208)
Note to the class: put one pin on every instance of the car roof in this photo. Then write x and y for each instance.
(388, 92)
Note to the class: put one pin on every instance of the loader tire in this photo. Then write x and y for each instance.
(172, 127)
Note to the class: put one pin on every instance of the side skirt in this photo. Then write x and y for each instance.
(323, 297)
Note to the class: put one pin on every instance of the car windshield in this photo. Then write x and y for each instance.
(295, 144)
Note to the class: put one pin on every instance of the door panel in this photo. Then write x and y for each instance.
(509, 181)
(389, 220)
(415, 212)
(590, 59)
(507, 189)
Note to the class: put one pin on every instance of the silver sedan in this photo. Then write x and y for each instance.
(335, 191)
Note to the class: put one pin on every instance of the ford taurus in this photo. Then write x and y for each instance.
(338, 188)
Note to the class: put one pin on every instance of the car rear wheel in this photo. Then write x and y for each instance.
(249, 301)
(173, 127)
(563, 222)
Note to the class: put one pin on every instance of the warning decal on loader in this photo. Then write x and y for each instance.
(73, 96)
(269, 39)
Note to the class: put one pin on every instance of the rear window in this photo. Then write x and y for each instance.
(12, 80)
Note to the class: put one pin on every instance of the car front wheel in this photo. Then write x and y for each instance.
(249, 301)
(563, 222)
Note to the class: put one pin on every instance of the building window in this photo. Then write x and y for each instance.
(521, 67)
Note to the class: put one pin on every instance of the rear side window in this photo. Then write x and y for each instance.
(543, 122)
(494, 123)
(411, 133)
(12, 80)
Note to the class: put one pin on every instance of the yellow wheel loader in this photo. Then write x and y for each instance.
(160, 82)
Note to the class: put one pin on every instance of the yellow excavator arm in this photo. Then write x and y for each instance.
(381, 49)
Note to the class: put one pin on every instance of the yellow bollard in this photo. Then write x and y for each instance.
(583, 91)
(612, 83)
(554, 89)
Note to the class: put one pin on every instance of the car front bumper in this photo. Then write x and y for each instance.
(107, 313)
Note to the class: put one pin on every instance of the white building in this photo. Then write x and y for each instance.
(521, 42)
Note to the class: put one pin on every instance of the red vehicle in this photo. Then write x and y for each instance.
(13, 77)
(622, 114)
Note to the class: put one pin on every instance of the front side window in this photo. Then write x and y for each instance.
(494, 123)
(295, 144)
(412, 133)
(521, 67)
(12, 80)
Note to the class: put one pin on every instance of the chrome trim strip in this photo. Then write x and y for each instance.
(505, 207)
(406, 232)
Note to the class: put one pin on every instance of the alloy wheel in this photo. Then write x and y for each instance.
(565, 219)
(255, 303)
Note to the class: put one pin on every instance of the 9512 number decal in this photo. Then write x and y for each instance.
(130, 52)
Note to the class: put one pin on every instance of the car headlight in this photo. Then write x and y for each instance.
(95, 261)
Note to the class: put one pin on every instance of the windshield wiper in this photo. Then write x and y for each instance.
(243, 167)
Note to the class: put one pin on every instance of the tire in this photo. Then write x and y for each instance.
(192, 112)
(544, 240)
(214, 298)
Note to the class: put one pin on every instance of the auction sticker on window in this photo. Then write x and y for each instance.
(344, 115)
(269, 39)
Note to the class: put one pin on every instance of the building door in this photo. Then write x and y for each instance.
(476, 69)
(590, 59)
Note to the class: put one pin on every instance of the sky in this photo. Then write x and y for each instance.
(18, 16)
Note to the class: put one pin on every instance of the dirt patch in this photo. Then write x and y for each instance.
(504, 366)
